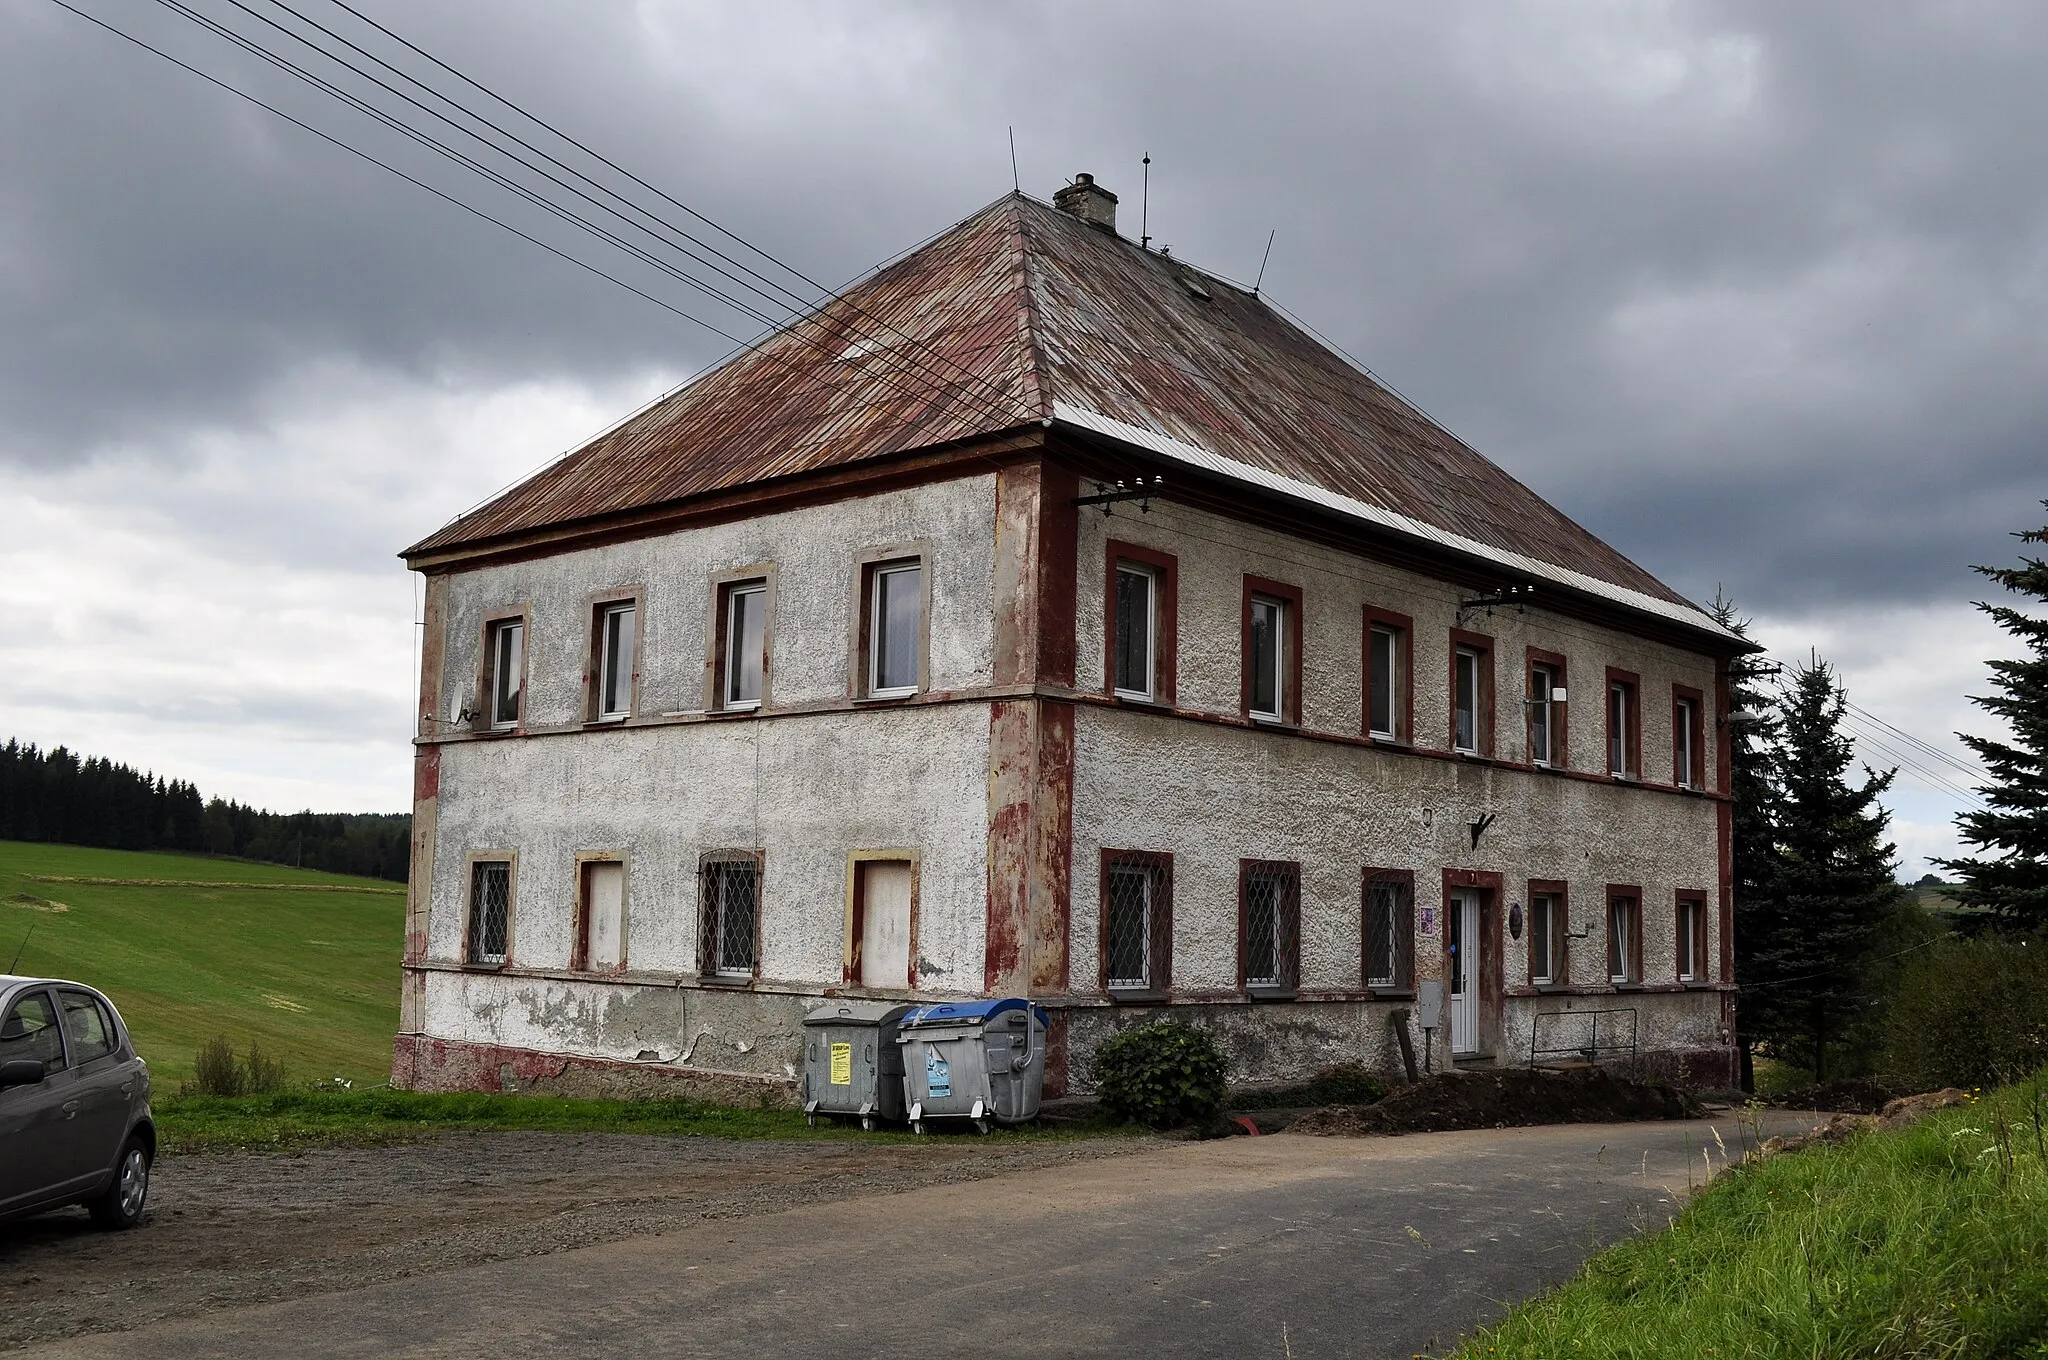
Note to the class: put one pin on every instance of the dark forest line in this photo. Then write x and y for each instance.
(59, 795)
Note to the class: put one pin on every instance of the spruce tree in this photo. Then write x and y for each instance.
(1836, 870)
(2013, 884)
(1753, 770)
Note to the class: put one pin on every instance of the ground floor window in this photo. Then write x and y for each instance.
(1624, 937)
(1389, 929)
(1692, 939)
(1547, 927)
(730, 914)
(490, 911)
(1137, 921)
(1269, 924)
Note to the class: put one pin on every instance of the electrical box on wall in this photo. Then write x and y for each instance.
(1429, 1005)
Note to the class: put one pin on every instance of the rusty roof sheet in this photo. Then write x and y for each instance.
(1016, 309)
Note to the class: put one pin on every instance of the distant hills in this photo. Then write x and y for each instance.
(58, 795)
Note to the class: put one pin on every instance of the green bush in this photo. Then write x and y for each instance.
(1970, 1012)
(217, 1072)
(1164, 1074)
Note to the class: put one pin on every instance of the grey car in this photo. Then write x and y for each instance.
(75, 1125)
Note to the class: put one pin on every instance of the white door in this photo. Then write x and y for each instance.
(885, 924)
(1464, 925)
(604, 907)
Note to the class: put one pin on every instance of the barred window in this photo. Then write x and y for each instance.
(1389, 929)
(490, 911)
(1269, 922)
(1137, 931)
(730, 910)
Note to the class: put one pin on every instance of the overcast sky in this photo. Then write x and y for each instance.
(1753, 291)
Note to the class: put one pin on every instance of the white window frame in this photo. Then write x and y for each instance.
(1541, 708)
(615, 623)
(1619, 697)
(1278, 713)
(876, 574)
(1392, 678)
(1621, 943)
(1685, 762)
(1692, 934)
(1151, 638)
(1461, 672)
(1543, 971)
(757, 589)
(501, 665)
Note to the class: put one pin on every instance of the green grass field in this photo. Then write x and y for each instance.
(309, 973)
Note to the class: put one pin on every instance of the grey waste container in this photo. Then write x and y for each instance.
(853, 1065)
(978, 1060)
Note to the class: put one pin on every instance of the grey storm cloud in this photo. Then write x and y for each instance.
(1754, 291)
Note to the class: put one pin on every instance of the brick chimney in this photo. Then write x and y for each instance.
(1089, 201)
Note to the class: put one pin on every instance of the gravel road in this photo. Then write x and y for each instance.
(232, 1229)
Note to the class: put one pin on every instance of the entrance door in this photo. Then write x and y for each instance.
(1464, 961)
(885, 924)
(604, 915)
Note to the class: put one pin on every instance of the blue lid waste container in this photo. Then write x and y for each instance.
(853, 1066)
(978, 1060)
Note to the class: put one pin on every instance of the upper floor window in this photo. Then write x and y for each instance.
(617, 638)
(504, 672)
(1546, 709)
(1272, 651)
(1139, 604)
(1387, 670)
(1471, 693)
(1624, 725)
(1137, 631)
(743, 654)
(1687, 737)
(895, 628)
(1269, 924)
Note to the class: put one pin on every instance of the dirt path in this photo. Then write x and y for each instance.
(233, 1229)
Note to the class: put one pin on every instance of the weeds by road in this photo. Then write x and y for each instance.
(290, 1120)
(1928, 1241)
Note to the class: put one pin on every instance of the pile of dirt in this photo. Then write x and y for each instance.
(1507, 1098)
(1896, 1114)
(1849, 1095)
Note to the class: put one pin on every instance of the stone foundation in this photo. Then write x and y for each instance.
(419, 1063)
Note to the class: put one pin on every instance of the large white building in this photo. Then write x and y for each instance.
(1049, 617)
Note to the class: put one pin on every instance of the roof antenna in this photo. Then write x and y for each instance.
(1145, 206)
(1262, 261)
(17, 953)
(1015, 182)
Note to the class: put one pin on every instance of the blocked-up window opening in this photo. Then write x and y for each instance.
(490, 910)
(1136, 628)
(1132, 926)
(1272, 911)
(731, 914)
(1389, 933)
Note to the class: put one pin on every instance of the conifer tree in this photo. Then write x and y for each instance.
(1753, 769)
(1836, 872)
(2013, 883)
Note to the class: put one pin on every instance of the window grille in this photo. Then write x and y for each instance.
(1389, 933)
(1128, 925)
(1271, 908)
(731, 902)
(490, 910)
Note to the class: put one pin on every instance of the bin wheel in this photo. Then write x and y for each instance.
(811, 1120)
(984, 1125)
(917, 1127)
(867, 1123)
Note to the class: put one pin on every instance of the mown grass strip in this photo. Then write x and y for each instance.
(211, 883)
(293, 1120)
(1930, 1241)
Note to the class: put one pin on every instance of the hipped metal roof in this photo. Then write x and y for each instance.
(1023, 314)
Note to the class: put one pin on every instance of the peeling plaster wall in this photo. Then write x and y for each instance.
(1211, 794)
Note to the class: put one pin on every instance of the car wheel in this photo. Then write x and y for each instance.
(121, 1205)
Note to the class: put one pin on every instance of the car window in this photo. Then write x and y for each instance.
(30, 1031)
(86, 1027)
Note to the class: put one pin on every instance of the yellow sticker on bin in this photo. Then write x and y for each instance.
(842, 1064)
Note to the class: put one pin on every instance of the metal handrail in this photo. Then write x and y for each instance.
(1592, 1049)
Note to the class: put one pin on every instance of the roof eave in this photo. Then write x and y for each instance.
(1661, 616)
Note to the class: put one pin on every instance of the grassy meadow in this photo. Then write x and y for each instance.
(190, 947)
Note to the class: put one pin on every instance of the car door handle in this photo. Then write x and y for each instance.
(71, 1109)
